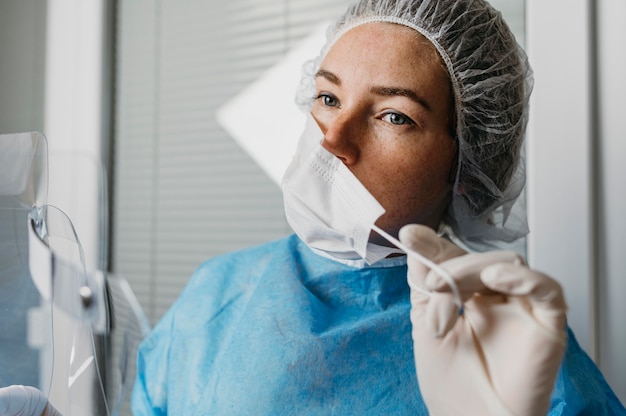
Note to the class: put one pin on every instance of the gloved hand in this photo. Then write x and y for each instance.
(502, 355)
(25, 401)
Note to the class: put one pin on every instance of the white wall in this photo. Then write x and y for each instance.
(612, 208)
(22, 59)
(576, 165)
(559, 162)
(73, 125)
(73, 117)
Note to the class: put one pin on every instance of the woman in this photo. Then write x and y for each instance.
(418, 111)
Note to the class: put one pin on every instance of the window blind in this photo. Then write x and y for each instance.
(183, 190)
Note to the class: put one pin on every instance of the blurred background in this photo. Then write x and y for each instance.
(136, 86)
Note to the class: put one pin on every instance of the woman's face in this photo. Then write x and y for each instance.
(383, 104)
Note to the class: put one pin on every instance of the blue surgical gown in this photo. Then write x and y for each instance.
(280, 330)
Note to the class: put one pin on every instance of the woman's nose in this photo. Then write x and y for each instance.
(341, 137)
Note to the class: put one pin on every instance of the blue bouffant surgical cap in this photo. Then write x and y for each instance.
(491, 82)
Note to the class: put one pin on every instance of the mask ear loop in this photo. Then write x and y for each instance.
(428, 263)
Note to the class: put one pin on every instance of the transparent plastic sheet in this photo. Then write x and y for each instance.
(57, 268)
(127, 327)
(26, 343)
(107, 321)
(87, 324)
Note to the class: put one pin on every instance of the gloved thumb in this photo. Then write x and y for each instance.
(16, 400)
(434, 311)
(425, 241)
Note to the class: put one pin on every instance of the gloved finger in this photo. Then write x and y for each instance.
(441, 313)
(425, 241)
(466, 270)
(21, 400)
(544, 294)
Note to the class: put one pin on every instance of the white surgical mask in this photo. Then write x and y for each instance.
(326, 205)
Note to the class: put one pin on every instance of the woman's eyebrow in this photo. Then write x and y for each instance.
(404, 92)
(329, 76)
(384, 91)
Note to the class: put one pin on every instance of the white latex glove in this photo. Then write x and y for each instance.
(25, 401)
(502, 355)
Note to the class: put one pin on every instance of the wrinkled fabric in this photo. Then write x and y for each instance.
(279, 330)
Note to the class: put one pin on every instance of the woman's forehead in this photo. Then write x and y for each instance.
(382, 44)
(387, 54)
(380, 30)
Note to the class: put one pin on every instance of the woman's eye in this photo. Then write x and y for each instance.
(328, 100)
(397, 118)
